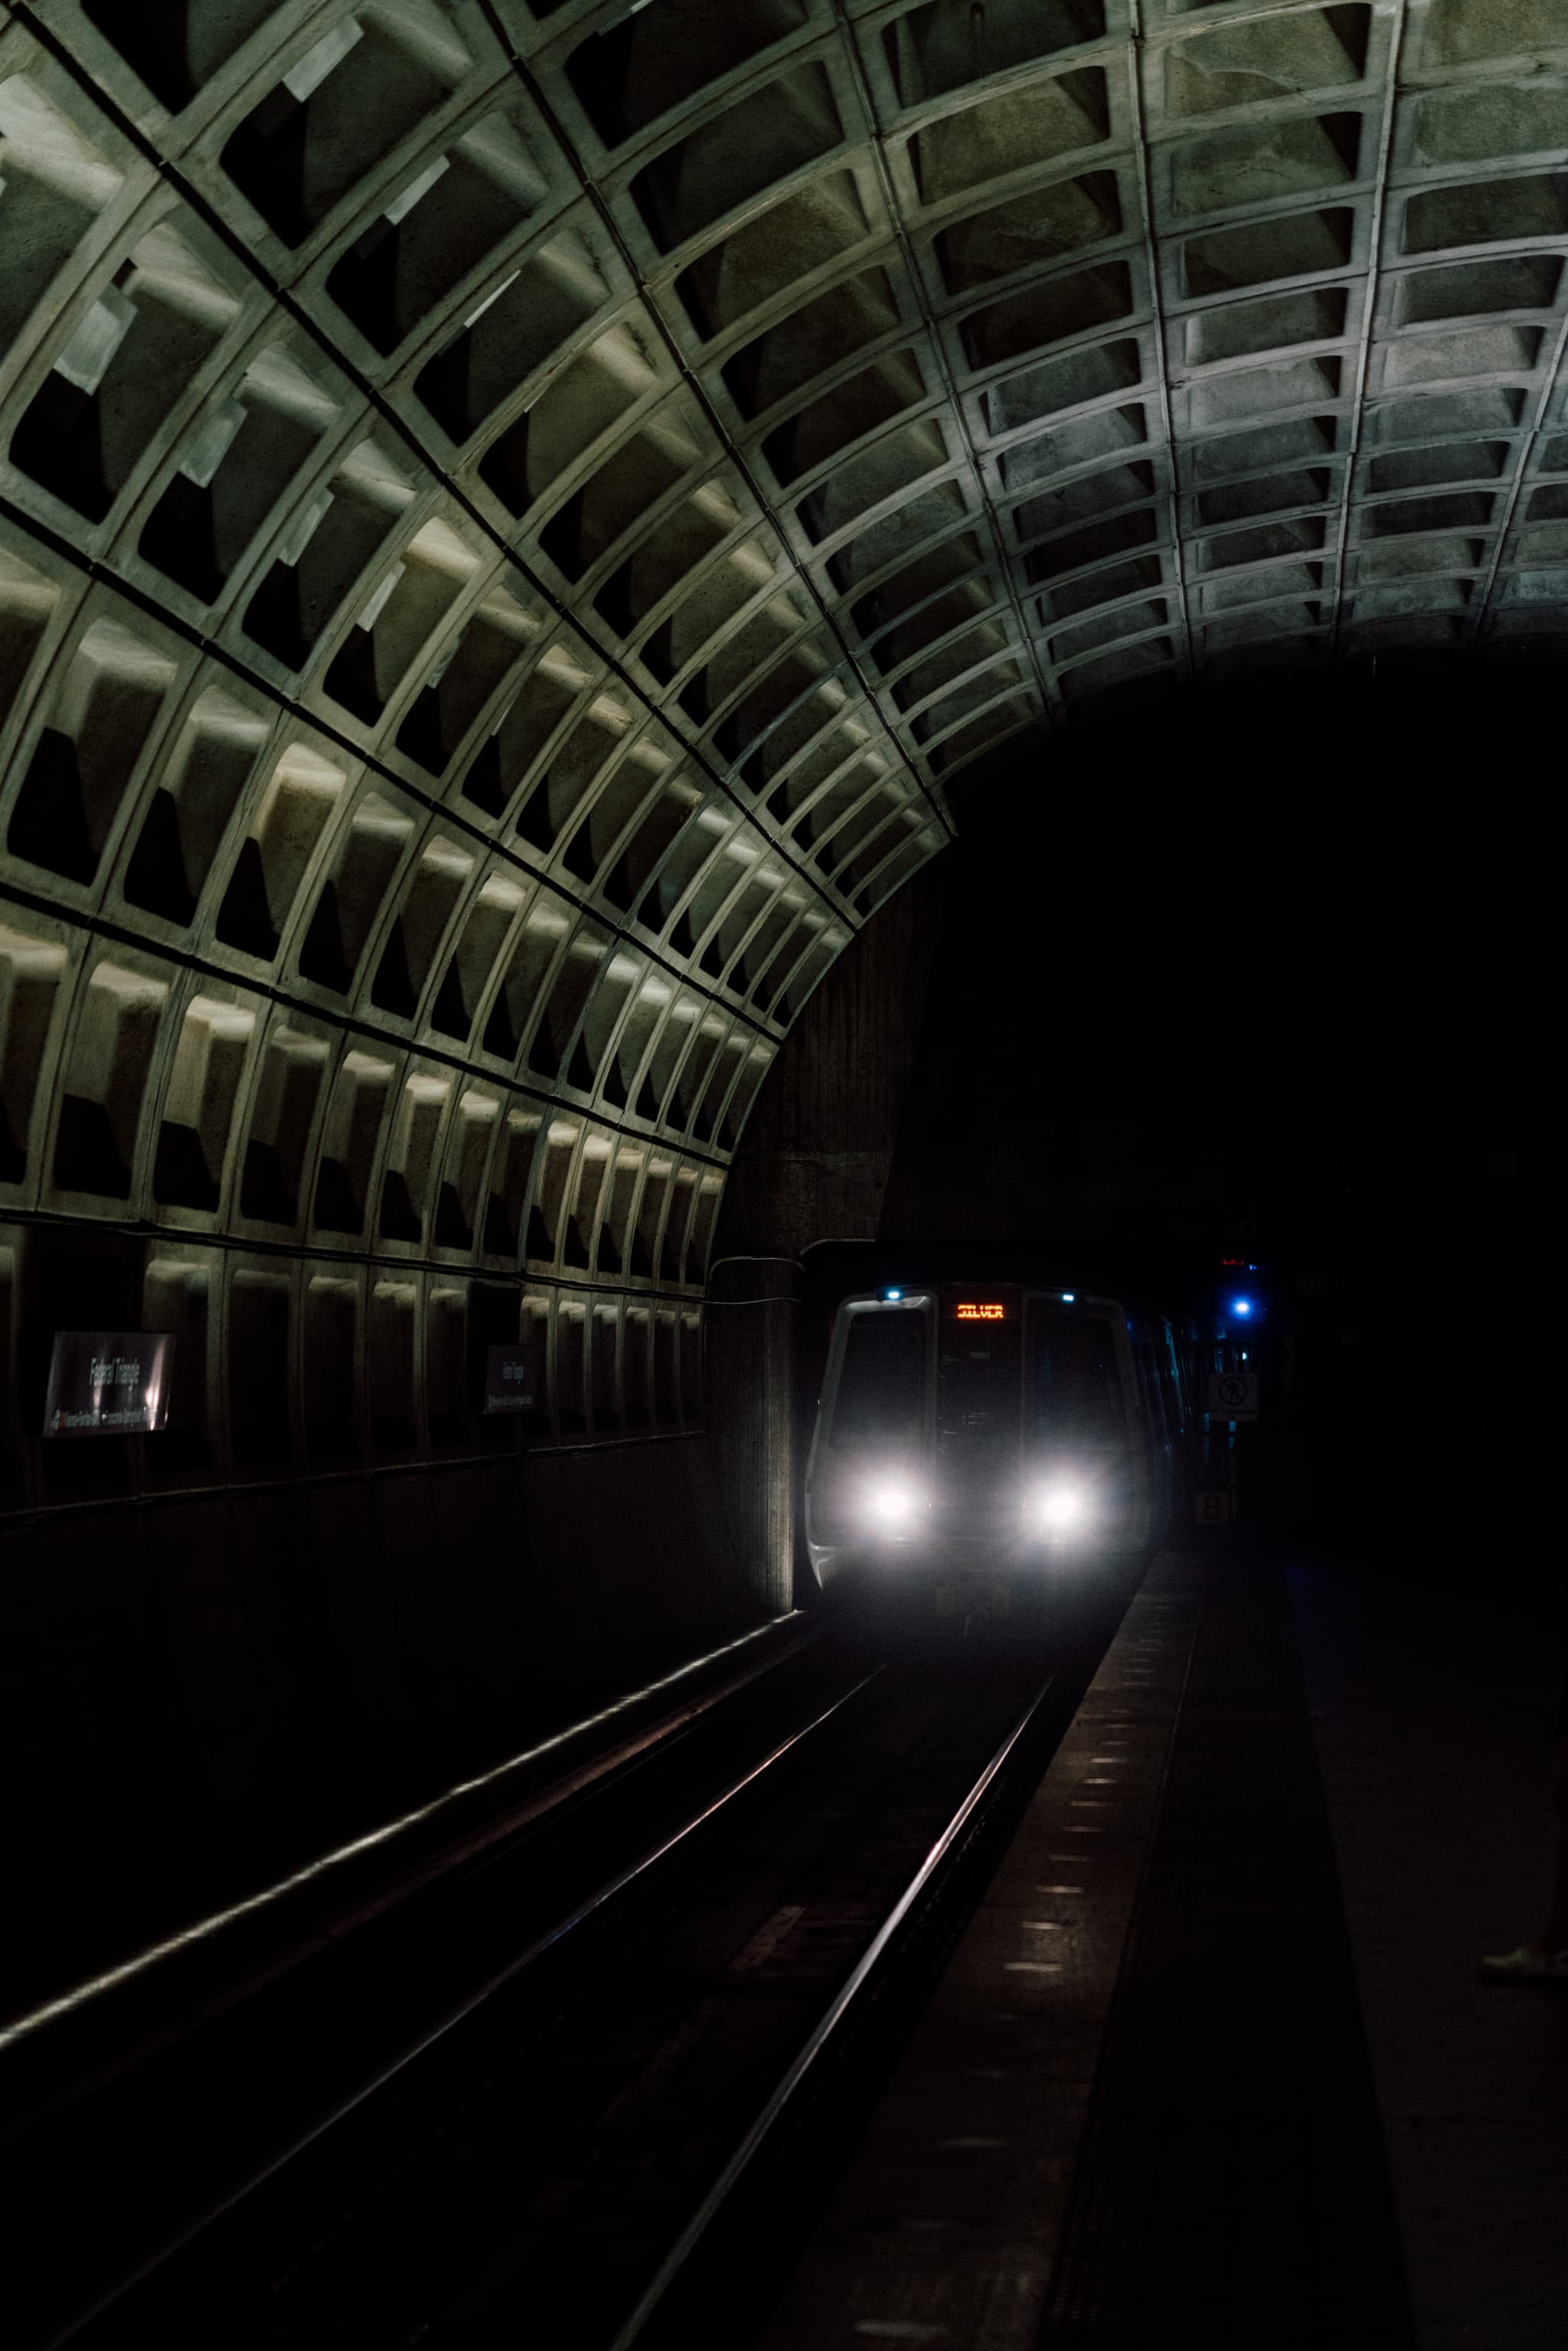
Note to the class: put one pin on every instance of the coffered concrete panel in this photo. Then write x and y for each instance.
(512, 517)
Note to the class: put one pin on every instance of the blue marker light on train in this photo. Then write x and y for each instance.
(1241, 1308)
(1068, 1297)
(893, 1296)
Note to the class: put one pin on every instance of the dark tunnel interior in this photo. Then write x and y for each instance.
(696, 693)
(1266, 982)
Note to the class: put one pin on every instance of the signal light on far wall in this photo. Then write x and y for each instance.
(1242, 1308)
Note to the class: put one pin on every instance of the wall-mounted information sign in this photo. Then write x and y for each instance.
(968, 1312)
(109, 1383)
(513, 1377)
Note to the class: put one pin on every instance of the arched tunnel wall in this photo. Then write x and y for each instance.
(817, 1156)
(513, 520)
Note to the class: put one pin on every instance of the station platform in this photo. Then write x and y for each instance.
(1213, 2059)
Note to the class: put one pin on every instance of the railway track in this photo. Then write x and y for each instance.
(575, 2086)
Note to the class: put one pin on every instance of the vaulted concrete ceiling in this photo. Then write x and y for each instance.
(513, 516)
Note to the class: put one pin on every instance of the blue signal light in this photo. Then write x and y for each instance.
(1068, 1297)
(1241, 1308)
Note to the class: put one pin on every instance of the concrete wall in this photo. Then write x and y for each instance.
(333, 1584)
(812, 1166)
(814, 1160)
(199, 1690)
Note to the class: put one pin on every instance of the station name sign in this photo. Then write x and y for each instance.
(974, 1312)
(109, 1383)
(513, 1377)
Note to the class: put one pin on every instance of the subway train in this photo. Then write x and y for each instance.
(997, 1431)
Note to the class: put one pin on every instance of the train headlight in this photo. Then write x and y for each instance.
(892, 1506)
(1063, 1507)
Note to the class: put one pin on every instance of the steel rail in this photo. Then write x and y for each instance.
(655, 1738)
(255, 2178)
(844, 2001)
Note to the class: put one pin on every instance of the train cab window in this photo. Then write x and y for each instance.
(1072, 1384)
(977, 1400)
(882, 1381)
(1154, 1394)
(1170, 1368)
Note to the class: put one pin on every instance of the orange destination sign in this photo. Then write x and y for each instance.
(969, 1313)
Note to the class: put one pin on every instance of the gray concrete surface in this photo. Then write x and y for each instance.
(1433, 1699)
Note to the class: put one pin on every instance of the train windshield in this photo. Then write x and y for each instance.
(1073, 1386)
(977, 1410)
(881, 1391)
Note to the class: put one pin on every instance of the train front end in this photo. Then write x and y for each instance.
(968, 1434)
